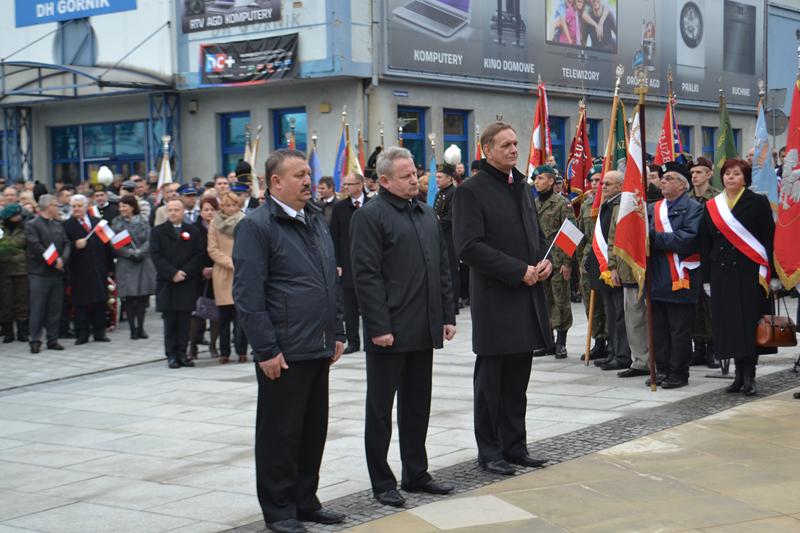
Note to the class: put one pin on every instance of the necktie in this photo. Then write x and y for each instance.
(86, 226)
(357, 204)
(301, 217)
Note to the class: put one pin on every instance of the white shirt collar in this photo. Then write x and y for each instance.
(289, 211)
(360, 200)
(329, 200)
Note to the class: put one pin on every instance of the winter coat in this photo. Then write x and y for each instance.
(89, 268)
(135, 273)
(40, 233)
(13, 247)
(341, 217)
(170, 253)
(220, 250)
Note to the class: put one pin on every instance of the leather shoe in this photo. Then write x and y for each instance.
(143, 334)
(674, 383)
(290, 525)
(102, 339)
(660, 378)
(173, 363)
(390, 497)
(431, 487)
(80, 341)
(614, 365)
(527, 461)
(632, 373)
(321, 516)
(54, 346)
(184, 361)
(540, 352)
(351, 349)
(500, 467)
(36, 347)
(604, 360)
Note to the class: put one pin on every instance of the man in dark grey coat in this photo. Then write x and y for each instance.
(497, 233)
(288, 302)
(400, 260)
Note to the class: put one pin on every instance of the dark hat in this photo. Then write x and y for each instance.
(196, 180)
(239, 187)
(703, 162)
(129, 185)
(559, 178)
(187, 189)
(597, 169)
(9, 211)
(475, 165)
(672, 166)
(99, 187)
(544, 169)
(446, 168)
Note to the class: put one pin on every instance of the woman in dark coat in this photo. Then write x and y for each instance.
(135, 273)
(739, 297)
(209, 206)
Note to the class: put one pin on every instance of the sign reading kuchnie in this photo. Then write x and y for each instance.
(248, 62)
(204, 15)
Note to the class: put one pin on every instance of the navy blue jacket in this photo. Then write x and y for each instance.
(684, 216)
(287, 294)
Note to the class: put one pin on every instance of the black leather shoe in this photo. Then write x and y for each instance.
(290, 525)
(561, 351)
(660, 378)
(614, 365)
(431, 487)
(500, 467)
(632, 373)
(36, 347)
(102, 339)
(674, 383)
(601, 362)
(749, 385)
(54, 346)
(134, 335)
(69, 334)
(736, 386)
(143, 334)
(527, 461)
(321, 516)
(390, 497)
(598, 351)
(80, 341)
(173, 363)
(184, 361)
(540, 352)
(351, 349)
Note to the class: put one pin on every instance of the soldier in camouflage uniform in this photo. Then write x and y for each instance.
(13, 274)
(702, 191)
(586, 225)
(553, 209)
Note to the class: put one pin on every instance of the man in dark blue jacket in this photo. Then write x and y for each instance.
(288, 302)
(673, 264)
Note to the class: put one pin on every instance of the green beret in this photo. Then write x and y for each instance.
(597, 169)
(9, 211)
(544, 169)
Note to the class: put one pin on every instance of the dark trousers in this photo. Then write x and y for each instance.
(614, 309)
(351, 317)
(672, 338)
(291, 428)
(176, 333)
(500, 384)
(135, 307)
(90, 319)
(46, 296)
(227, 318)
(409, 375)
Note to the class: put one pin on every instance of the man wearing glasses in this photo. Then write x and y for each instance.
(343, 210)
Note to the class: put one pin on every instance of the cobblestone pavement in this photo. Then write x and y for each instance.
(145, 448)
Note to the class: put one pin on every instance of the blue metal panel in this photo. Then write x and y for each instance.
(31, 12)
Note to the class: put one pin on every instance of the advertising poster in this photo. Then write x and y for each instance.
(577, 44)
(31, 12)
(204, 15)
(248, 62)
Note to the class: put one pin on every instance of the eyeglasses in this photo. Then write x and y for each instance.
(667, 178)
(351, 184)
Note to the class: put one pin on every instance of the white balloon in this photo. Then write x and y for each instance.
(452, 156)
(104, 175)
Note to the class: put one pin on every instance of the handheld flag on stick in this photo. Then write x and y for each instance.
(765, 181)
(568, 238)
(579, 164)
(103, 231)
(121, 239)
(787, 252)
(540, 138)
(725, 147)
(50, 254)
(95, 212)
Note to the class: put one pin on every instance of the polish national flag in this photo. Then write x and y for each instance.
(50, 255)
(121, 239)
(95, 212)
(104, 231)
(569, 237)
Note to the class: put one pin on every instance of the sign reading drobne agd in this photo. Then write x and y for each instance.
(30, 12)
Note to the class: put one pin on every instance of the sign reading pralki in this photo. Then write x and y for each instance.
(205, 15)
(31, 12)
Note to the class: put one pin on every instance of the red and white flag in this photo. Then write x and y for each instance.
(579, 164)
(630, 241)
(569, 237)
(95, 212)
(540, 138)
(787, 227)
(121, 239)
(104, 231)
(50, 255)
(668, 146)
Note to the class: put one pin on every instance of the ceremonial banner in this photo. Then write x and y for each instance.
(765, 181)
(616, 149)
(630, 241)
(726, 147)
(164, 178)
(669, 142)
(316, 168)
(579, 164)
(540, 137)
(787, 228)
(433, 187)
(248, 62)
(340, 162)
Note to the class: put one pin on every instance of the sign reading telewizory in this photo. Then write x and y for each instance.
(31, 12)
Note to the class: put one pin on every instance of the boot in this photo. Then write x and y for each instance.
(749, 381)
(7, 330)
(22, 330)
(736, 386)
(130, 316)
(561, 344)
(700, 354)
(552, 349)
(711, 361)
(598, 351)
(194, 332)
(214, 333)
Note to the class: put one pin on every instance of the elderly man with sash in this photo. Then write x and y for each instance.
(673, 263)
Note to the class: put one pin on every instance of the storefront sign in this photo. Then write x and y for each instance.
(31, 12)
(204, 15)
(248, 62)
(577, 44)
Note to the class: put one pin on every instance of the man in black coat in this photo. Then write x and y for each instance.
(400, 260)
(289, 305)
(497, 234)
(90, 266)
(177, 253)
(340, 231)
(108, 210)
(326, 197)
(443, 205)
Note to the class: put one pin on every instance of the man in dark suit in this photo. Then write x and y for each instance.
(326, 197)
(497, 233)
(91, 264)
(288, 303)
(444, 210)
(340, 231)
(401, 263)
(177, 253)
(108, 210)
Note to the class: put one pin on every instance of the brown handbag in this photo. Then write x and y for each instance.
(774, 331)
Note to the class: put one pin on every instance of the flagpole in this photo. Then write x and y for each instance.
(609, 147)
(651, 359)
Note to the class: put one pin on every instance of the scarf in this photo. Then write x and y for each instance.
(226, 223)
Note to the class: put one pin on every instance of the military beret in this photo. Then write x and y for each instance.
(9, 211)
(187, 189)
(544, 169)
(672, 166)
(597, 169)
(446, 168)
(703, 162)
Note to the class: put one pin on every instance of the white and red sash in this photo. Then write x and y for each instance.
(739, 236)
(679, 270)
(600, 249)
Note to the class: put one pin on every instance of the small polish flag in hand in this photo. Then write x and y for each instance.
(104, 231)
(121, 239)
(569, 237)
(95, 212)
(50, 255)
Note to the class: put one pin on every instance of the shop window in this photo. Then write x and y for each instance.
(737, 140)
(233, 139)
(65, 143)
(414, 132)
(282, 127)
(558, 126)
(456, 131)
(3, 154)
(709, 142)
(685, 135)
(593, 125)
